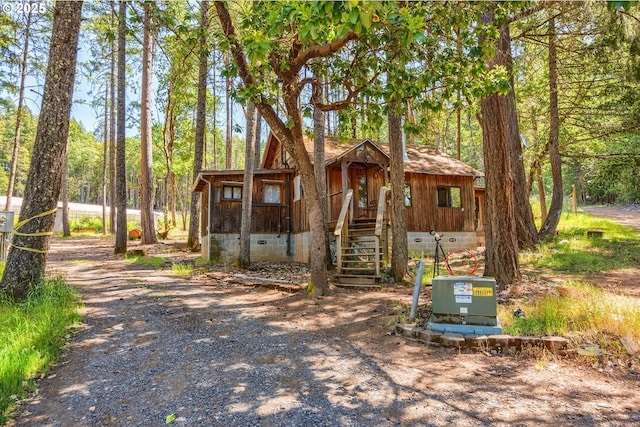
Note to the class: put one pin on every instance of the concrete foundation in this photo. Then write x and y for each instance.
(422, 243)
(225, 247)
(465, 329)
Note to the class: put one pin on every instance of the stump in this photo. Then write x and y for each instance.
(595, 234)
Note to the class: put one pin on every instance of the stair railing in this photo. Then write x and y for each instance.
(342, 228)
(381, 232)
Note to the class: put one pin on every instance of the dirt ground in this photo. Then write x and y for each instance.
(399, 381)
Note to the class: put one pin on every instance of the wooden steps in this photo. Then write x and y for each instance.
(361, 244)
(358, 267)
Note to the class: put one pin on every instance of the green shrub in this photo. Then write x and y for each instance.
(32, 335)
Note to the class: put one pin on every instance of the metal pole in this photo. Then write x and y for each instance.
(416, 291)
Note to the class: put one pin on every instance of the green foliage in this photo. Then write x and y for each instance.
(27, 138)
(86, 222)
(182, 269)
(429, 55)
(597, 97)
(31, 337)
(577, 309)
(153, 262)
(572, 251)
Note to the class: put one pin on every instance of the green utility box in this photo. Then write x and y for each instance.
(464, 304)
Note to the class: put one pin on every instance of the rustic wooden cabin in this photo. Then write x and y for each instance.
(439, 195)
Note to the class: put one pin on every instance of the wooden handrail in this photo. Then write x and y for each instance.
(381, 227)
(343, 212)
(380, 214)
(342, 227)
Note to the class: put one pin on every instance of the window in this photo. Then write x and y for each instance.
(232, 192)
(362, 192)
(407, 195)
(449, 197)
(272, 193)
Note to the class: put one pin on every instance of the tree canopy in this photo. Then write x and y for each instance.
(427, 59)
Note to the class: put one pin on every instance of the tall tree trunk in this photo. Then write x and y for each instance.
(410, 116)
(501, 253)
(112, 139)
(229, 126)
(244, 259)
(542, 197)
(550, 224)
(105, 145)
(16, 135)
(27, 257)
(214, 113)
(168, 138)
(258, 134)
(525, 225)
(146, 166)
(320, 171)
(66, 228)
(121, 167)
(459, 106)
(172, 180)
(201, 116)
(400, 251)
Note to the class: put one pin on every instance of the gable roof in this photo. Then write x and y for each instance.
(421, 158)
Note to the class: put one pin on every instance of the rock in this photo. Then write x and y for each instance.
(429, 336)
(527, 341)
(501, 341)
(629, 345)
(452, 340)
(554, 344)
(477, 341)
(407, 330)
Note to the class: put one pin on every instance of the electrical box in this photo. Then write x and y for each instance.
(6, 221)
(464, 304)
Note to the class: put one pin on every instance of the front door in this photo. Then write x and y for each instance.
(360, 192)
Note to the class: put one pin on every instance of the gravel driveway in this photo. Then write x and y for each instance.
(155, 348)
(154, 345)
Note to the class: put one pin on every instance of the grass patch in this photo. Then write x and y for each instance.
(32, 334)
(182, 269)
(155, 262)
(572, 251)
(577, 309)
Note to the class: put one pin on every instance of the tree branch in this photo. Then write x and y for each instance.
(237, 51)
(318, 51)
(600, 156)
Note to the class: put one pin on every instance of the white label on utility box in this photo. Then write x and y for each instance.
(463, 299)
(463, 310)
(462, 288)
